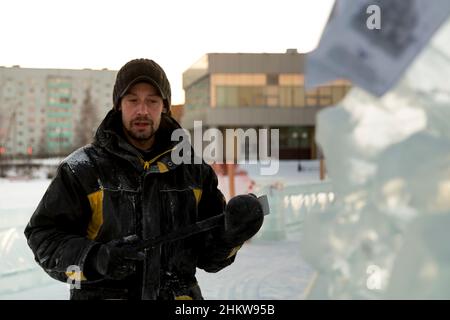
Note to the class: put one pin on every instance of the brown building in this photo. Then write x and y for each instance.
(258, 90)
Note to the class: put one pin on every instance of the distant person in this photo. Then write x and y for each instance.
(109, 196)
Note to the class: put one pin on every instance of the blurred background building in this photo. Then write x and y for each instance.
(47, 112)
(258, 90)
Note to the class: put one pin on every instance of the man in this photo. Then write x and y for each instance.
(122, 189)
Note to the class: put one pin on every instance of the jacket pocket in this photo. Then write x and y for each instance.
(179, 207)
(119, 214)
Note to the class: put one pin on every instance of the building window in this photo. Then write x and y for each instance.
(299, 96)
(325, 96)
(321, 96)
(64, 99)
(296, 137)
(227, 96)
(251, 96)
(272, 79)
(339, 92)
(311, 101)
(292, 96)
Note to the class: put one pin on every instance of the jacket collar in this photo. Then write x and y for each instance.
(109, 136)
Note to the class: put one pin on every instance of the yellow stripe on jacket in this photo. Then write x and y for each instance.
(197, 195)
(96, 202)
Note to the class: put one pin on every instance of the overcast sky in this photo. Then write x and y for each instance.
(98, 34)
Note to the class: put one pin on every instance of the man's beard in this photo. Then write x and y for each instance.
(141, 136)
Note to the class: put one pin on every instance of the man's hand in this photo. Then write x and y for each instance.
(243, 218)
(116, 259)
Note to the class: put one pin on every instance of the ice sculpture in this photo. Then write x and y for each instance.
(389, 161)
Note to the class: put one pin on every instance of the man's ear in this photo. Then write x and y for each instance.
(166, 109)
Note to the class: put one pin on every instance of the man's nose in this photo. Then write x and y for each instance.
(142, 108)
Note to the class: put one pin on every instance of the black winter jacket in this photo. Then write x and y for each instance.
(106, 191)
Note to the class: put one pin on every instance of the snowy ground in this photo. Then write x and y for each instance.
(263, 269)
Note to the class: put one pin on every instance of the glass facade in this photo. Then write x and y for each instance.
(278, 96)
(198, 95)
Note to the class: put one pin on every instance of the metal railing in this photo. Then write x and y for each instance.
(290, 205)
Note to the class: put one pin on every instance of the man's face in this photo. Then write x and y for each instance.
(141, 114)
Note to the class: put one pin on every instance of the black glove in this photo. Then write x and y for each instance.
(114, 260)
(243, 218)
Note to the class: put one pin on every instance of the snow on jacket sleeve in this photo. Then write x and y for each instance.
(56, 232)
(216, 254)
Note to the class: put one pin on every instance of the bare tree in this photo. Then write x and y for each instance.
(42, 149)
(85, 128)
(3, 126)
(8, 129)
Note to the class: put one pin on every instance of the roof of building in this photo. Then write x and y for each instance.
(289, 62)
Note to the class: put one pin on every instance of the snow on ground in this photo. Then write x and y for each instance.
(263, 269)
(18, 200)
(54, 291)
(23, 193)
